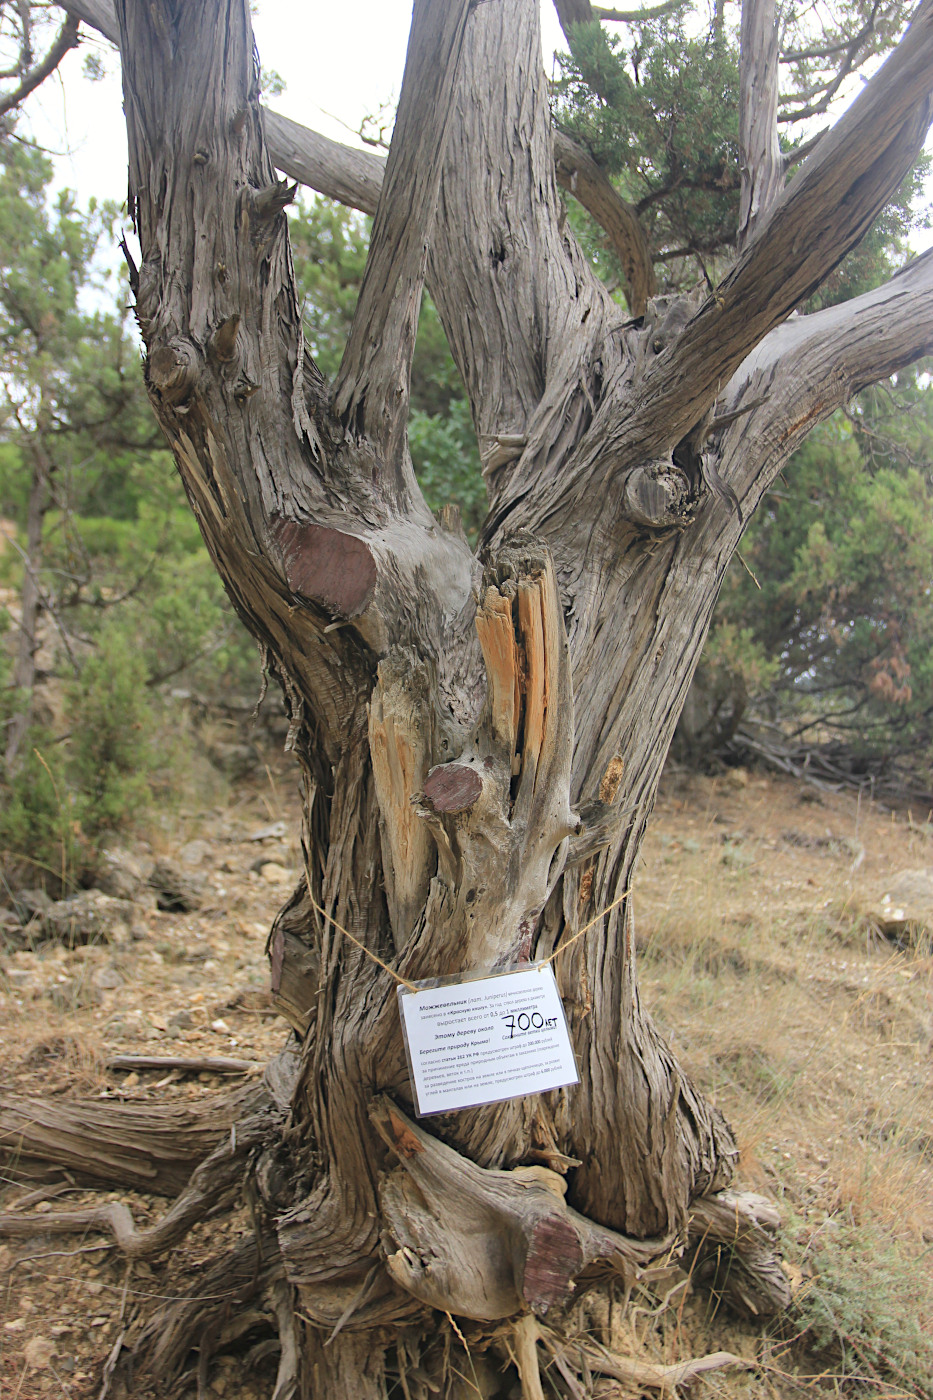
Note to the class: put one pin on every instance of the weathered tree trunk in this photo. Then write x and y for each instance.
(481, 738)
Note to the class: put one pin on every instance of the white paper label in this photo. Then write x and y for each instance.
(486, 1039)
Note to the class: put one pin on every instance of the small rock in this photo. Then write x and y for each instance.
(181, 1020)
(275, 874)
(88, 917)
(30, 904)
(107, 979)
(130, 1082)
(236, 760)
(904, 910)
(17, 1325)
(38, 1353)
(220, 1026)
(268, 833)
(194, 853)
(177, 891)
(122, 874)
(93, 1287)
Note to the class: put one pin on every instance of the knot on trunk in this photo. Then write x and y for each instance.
(173, 370)
(452, 787)
(656, 496)
(328, 567)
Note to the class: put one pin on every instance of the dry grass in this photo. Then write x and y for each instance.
(813, 1035)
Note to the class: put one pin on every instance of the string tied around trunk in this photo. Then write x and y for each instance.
(412, 986)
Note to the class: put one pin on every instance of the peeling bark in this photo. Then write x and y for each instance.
(480, 739)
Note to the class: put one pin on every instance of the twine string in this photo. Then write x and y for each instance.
(562, 948)
(412, 986)
(402, 981)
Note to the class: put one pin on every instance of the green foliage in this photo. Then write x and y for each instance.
(130, 597)
(329, 246)
(660, 114)
(868, 1309)
(39, 832)
(110, 752)
(657, 105)
(841, 549)
(446, 461)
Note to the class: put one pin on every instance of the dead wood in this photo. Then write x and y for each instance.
(511, 1243)
(734, 1235)
(200, 1064)
(148, 1147)
(212, 1183)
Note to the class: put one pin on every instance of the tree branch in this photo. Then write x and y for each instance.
(634, 16)
(351, 177)
(829, 89)
(67, 38)
(579, 173)
(759, 149)
(355, 178)
(511, 286)
(813, 365)
(842, 350)
(571, 12)
(822, 215)
(372, 387)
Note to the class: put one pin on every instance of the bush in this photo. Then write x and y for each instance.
(868, 1309)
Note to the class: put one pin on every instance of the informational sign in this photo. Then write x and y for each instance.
(485, 1039)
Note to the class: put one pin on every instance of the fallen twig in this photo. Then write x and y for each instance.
(209, 1064)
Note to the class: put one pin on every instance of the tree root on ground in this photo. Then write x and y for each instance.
(215, 1181)
(499, 1250)
(133, 1146)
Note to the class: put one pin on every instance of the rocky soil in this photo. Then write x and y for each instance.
(796, 993)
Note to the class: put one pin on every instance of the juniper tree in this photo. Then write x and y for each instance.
(480, 732)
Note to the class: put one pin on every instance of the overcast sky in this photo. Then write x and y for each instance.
(340, 64)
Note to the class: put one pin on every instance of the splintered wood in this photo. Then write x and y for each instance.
(399, 740)
(503, 667)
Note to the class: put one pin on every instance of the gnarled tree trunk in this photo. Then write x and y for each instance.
(481, 736)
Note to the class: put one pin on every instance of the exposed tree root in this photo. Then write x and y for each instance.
(499, 1247)
(584, 1353)
(215, 1180)
(228, 1303)
(525, 1336)
(146, 1147)
(733, 1235)
(510, 1241)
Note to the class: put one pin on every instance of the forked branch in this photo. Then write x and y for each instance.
(824, 212)
(65, 39)
(355, 178)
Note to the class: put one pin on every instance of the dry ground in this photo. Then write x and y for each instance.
(811, 1032)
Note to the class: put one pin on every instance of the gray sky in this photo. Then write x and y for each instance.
(339, 64)
(338, 69)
